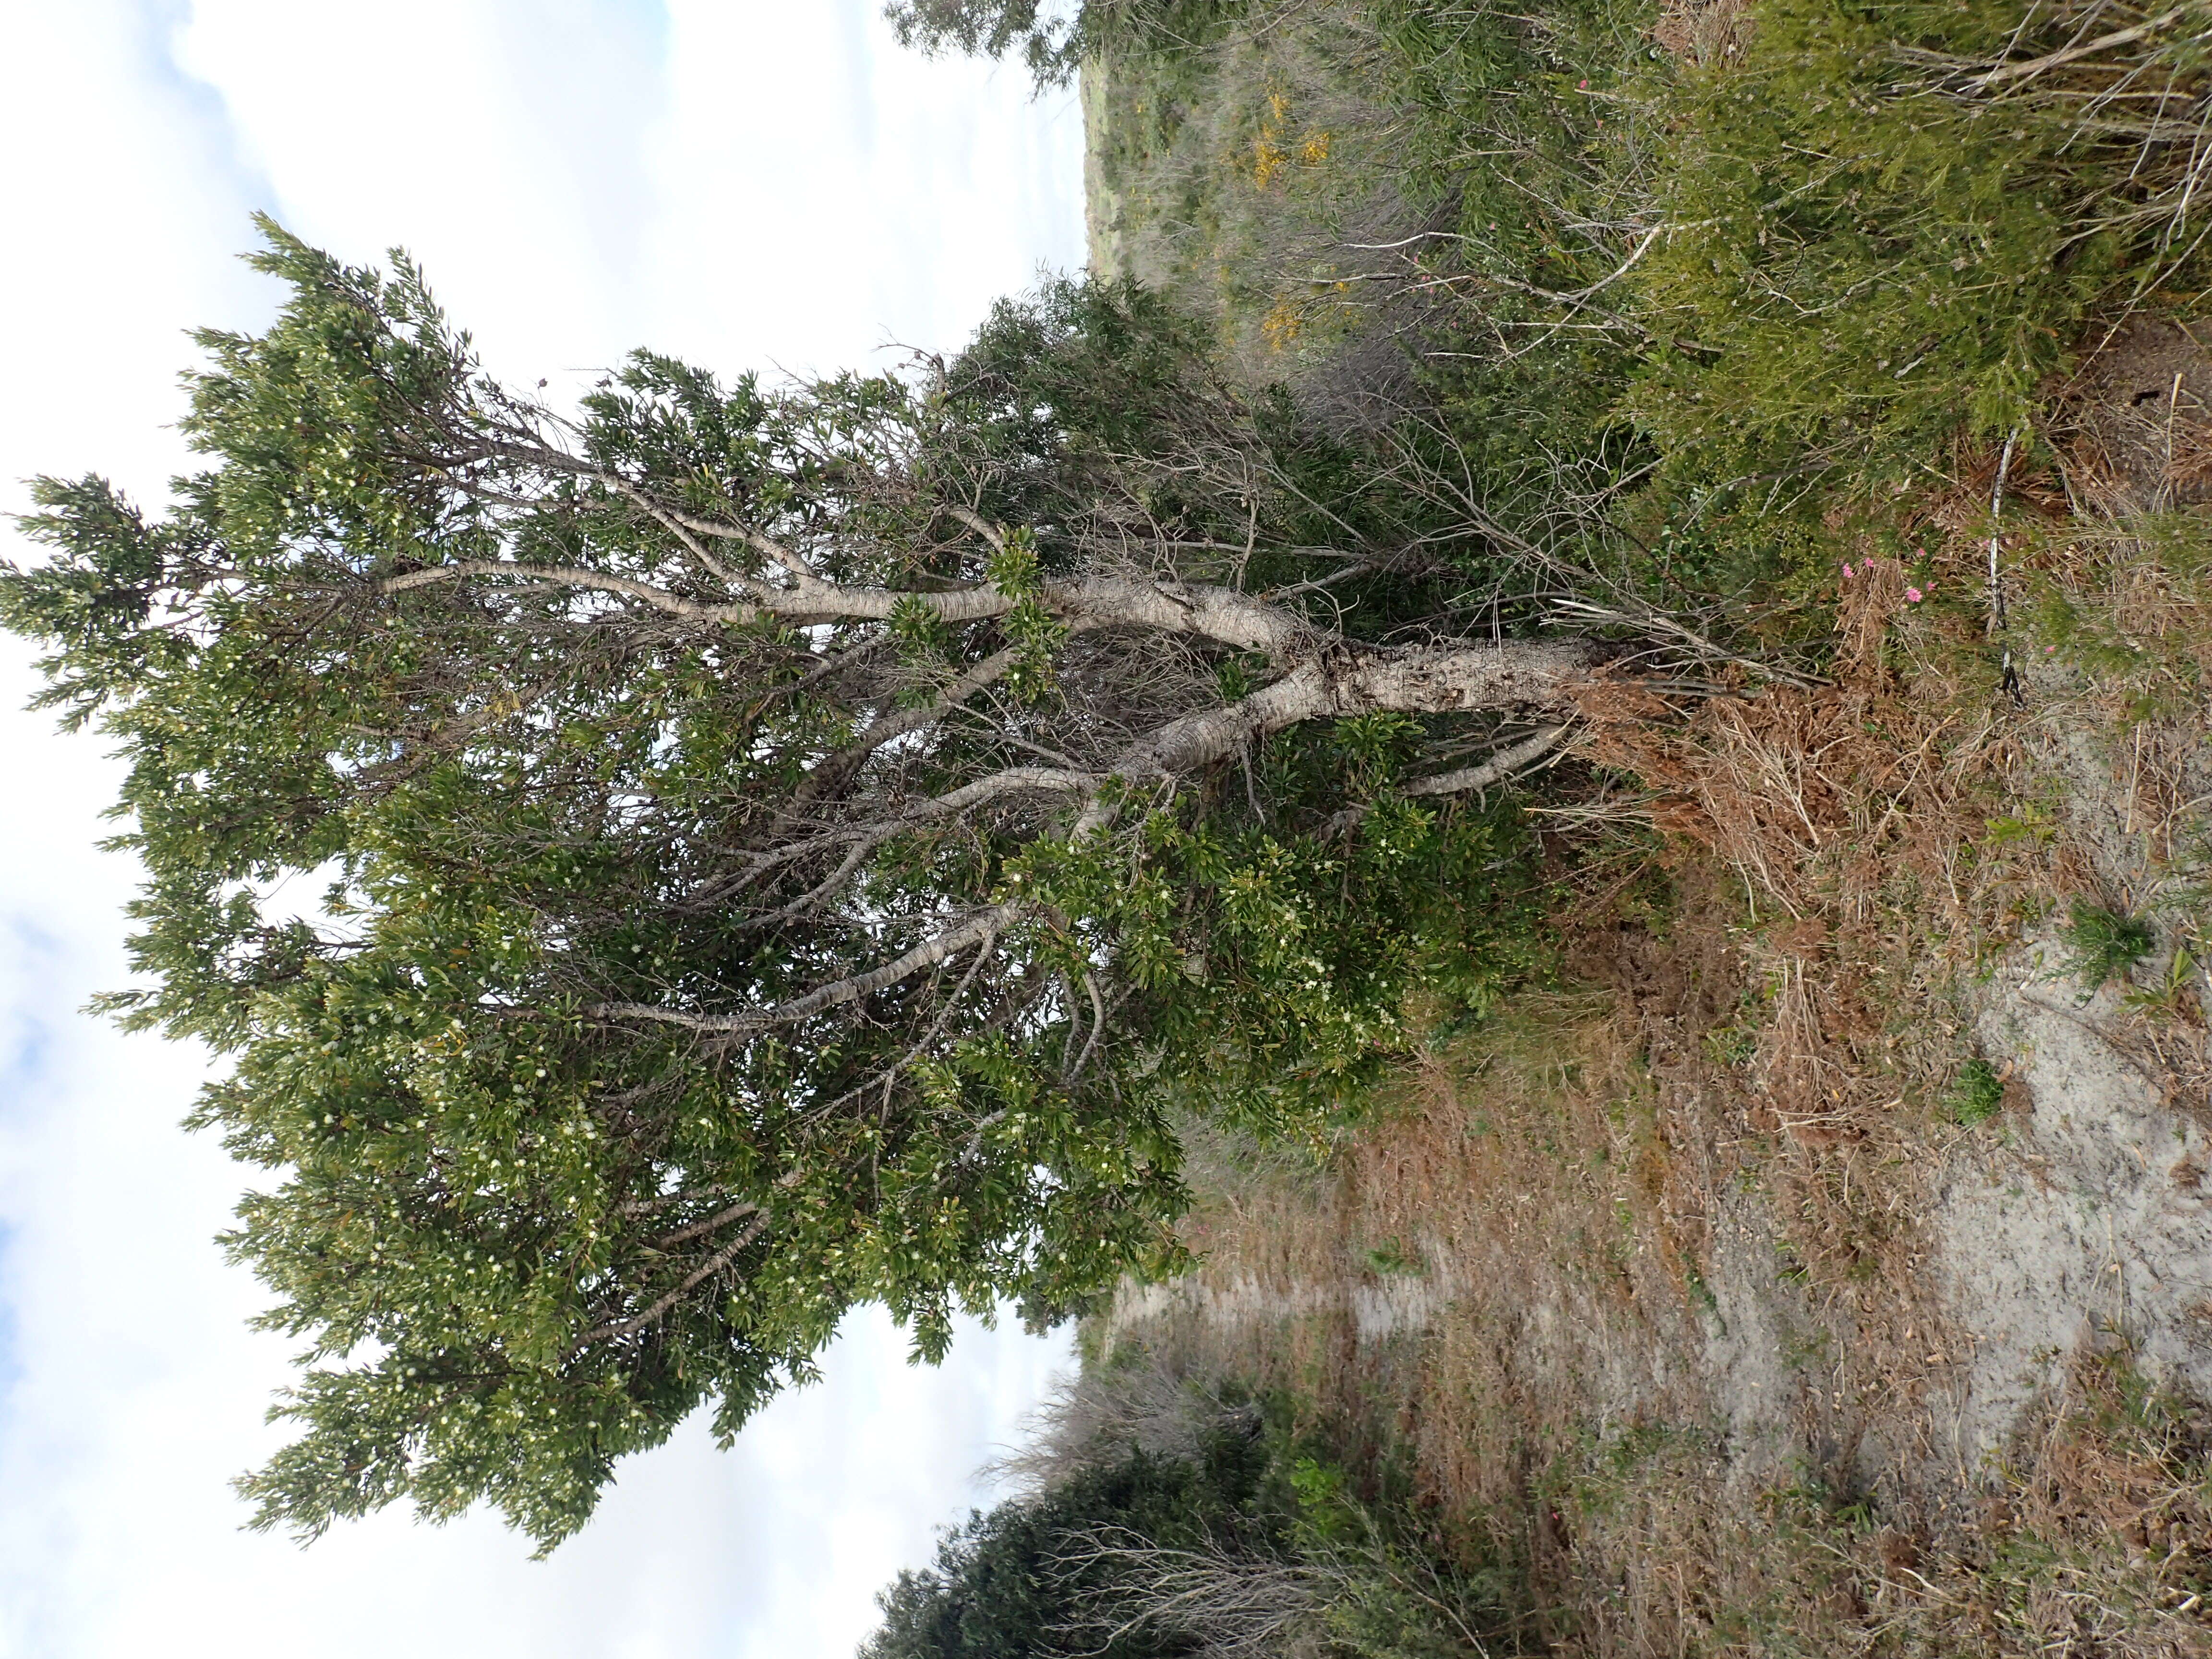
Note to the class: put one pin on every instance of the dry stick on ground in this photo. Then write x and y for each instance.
(1999, 625)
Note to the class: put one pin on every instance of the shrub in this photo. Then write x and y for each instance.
(1007, 1584)
(1887, 221)
(1976, 1094)
(2103, 944)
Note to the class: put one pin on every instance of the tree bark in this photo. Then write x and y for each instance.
(1509, 674)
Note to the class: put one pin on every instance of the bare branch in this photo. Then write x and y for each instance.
(985, 925)
(1498, 768)
(834, 769)
(1227, 616)
(866, 838)
(976, 522)
(2034, 66)
(982, 926)
(712, 1223)
(1502, 764)
(1444, 679)
(572, 577)
(668, 1299)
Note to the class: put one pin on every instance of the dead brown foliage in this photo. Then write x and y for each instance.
(1701, 32)
(1560, 1214)
(2133, 423)
(1823, 798)
(1668, 1350)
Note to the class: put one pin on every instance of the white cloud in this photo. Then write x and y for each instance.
(882, 198)
(740, 183)
(501, 142)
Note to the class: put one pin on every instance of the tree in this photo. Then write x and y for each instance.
(784, 846)
(1053, 40)
(1051, 44)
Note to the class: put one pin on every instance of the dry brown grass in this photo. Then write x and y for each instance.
(1701, 32)
(2133, 421)
(1565, 1207)
(1742, 1121)
(1826, 799)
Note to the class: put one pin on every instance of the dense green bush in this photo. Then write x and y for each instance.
(1868, 256)
(1249, 1545)
(1666, 313)
(1002, 1588)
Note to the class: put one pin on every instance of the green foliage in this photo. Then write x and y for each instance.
(1508, 130)
(1240, 175)
(1976, 1094)
(1870, 255)
(544, 1177)
(1391, 1256)
(1053, 40)
(1064, 389)
(520, 1242)
(1670, 316)
(1012, 1582)
(2174, 993)
(2103, 944)
(1050, 45)
(1252, 1545)
(1273, 972)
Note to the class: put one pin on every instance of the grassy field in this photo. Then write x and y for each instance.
(1815, 1259)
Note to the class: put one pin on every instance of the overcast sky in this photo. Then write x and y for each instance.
(741, 182)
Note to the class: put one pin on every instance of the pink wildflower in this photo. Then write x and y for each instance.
(1912, 596)
(1847, 572)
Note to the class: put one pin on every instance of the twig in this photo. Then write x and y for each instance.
(2053, 60)
(1998, 623)
(1502, 765)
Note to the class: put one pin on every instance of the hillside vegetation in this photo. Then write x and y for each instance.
(1798, 1245)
